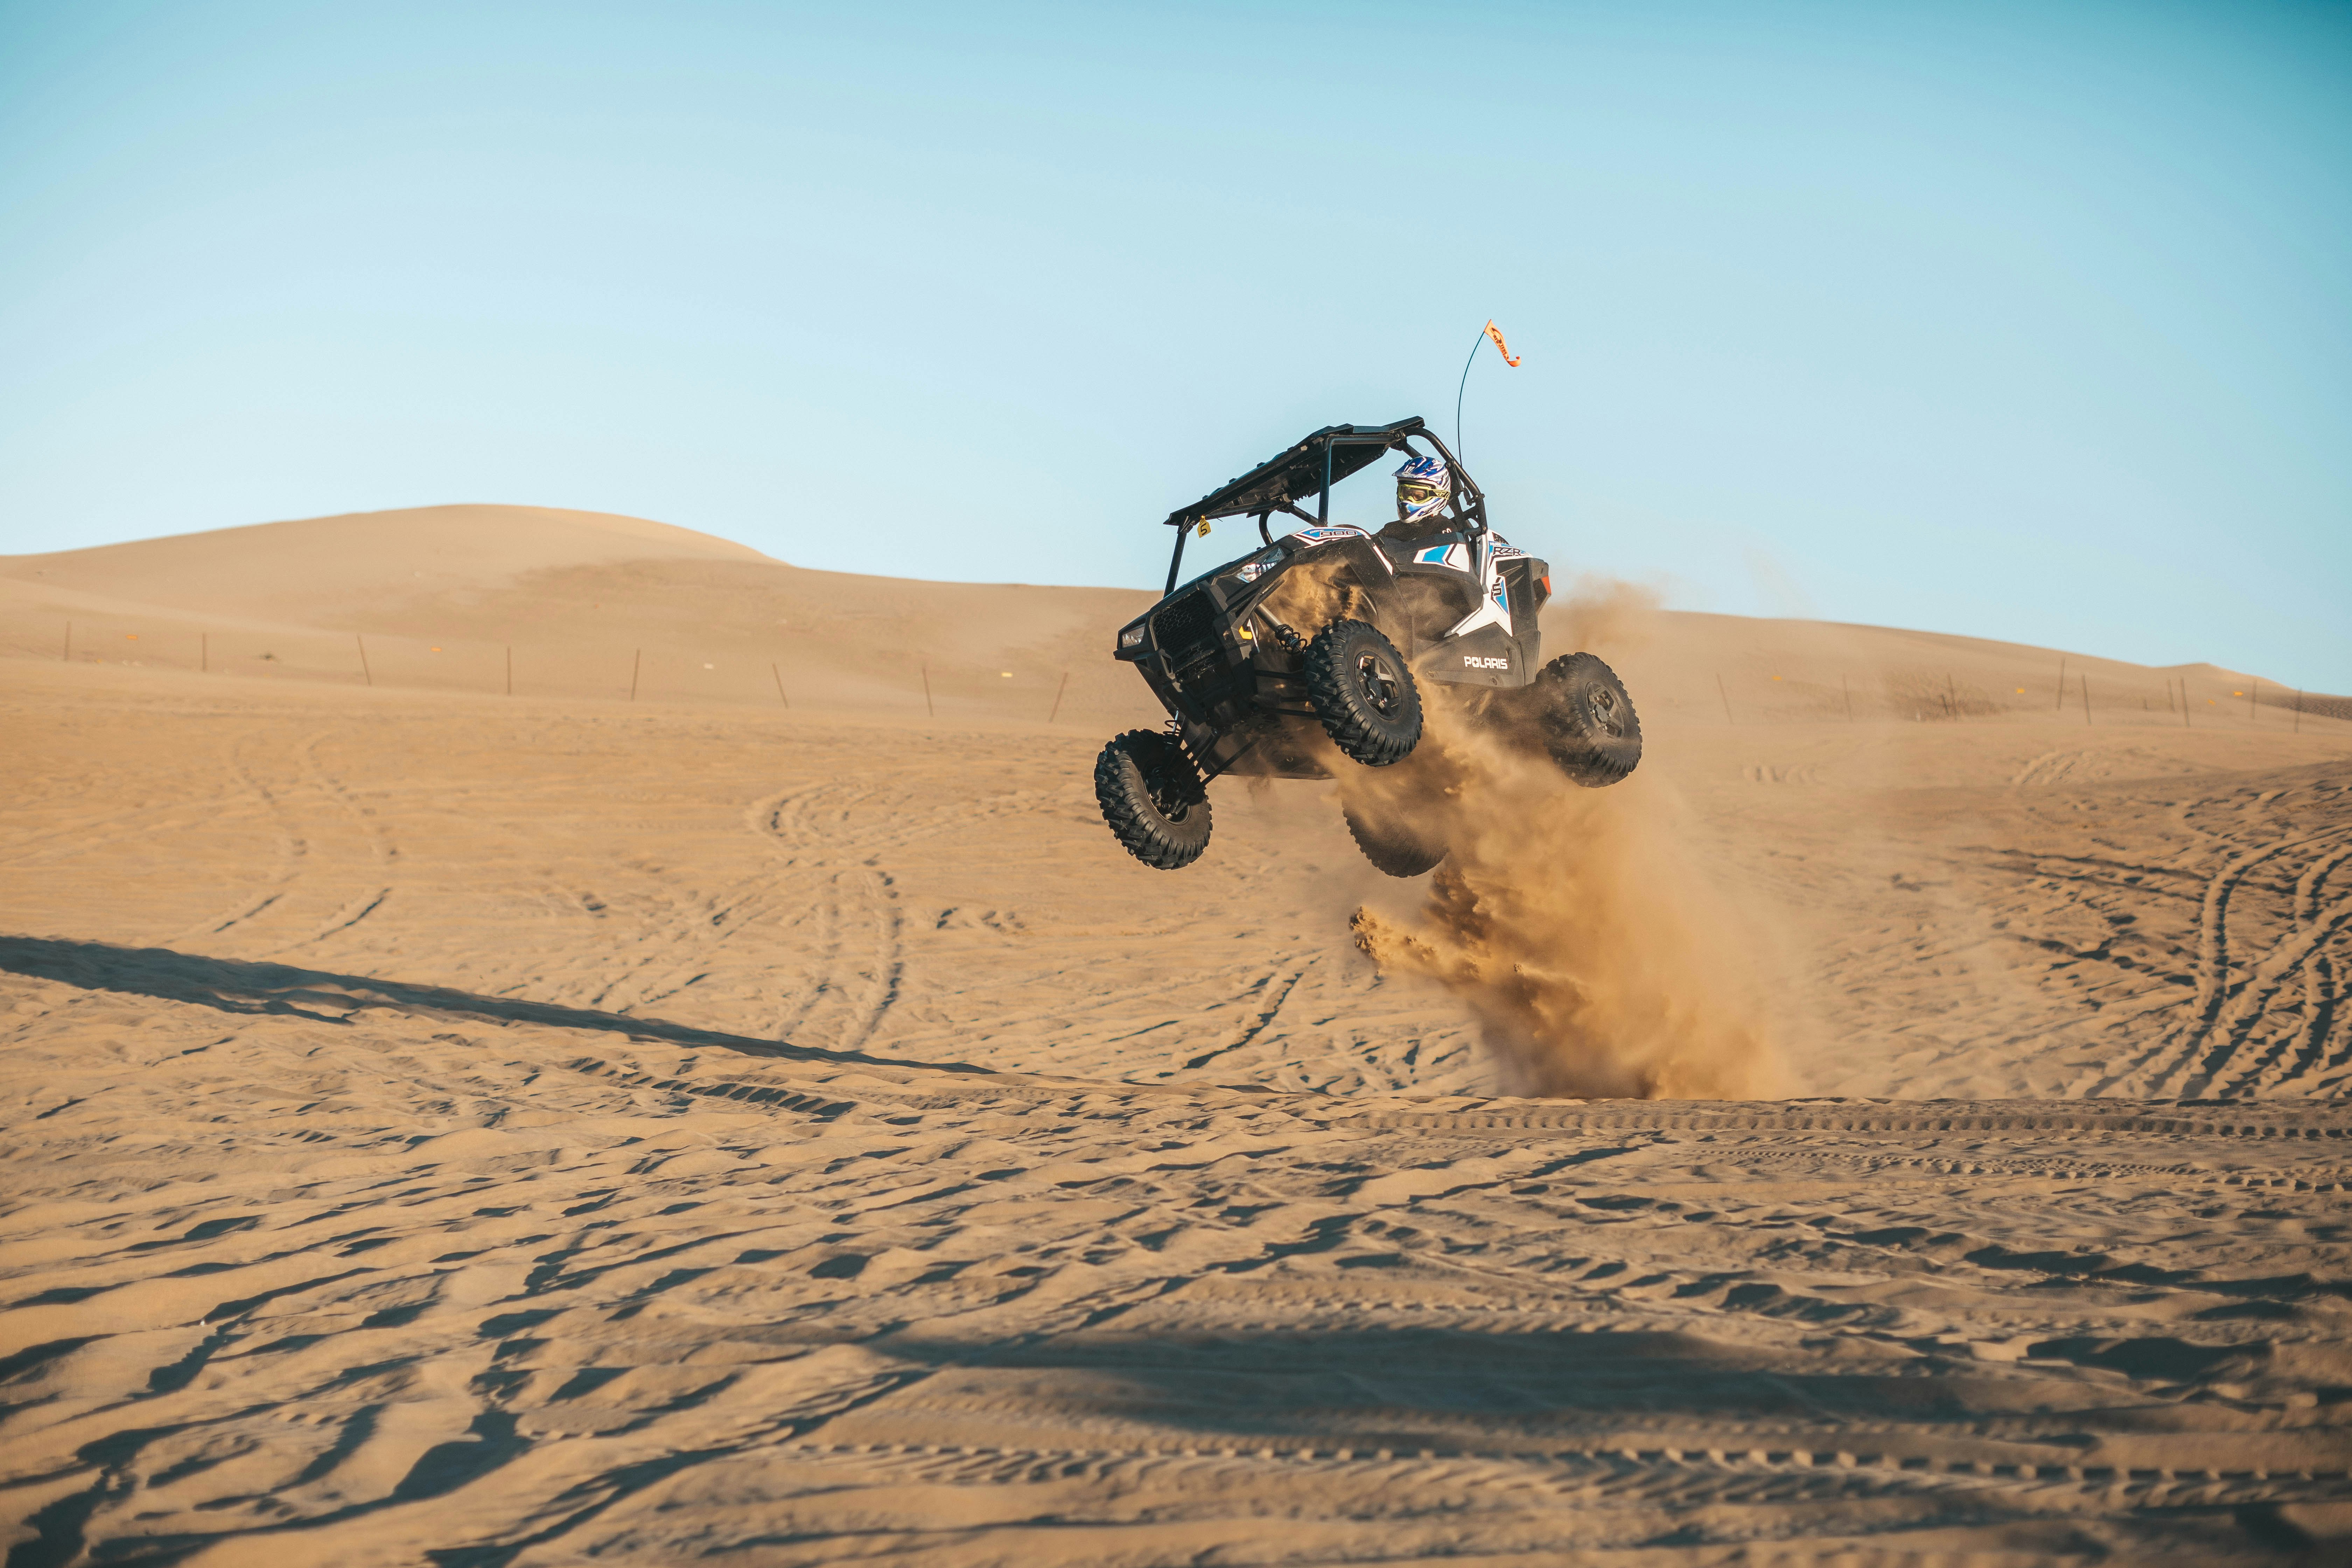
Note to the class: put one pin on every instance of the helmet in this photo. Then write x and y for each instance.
(1423, 487)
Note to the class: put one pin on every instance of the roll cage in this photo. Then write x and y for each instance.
(1311, 468)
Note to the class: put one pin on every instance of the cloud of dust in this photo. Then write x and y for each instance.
(1607, 616)
(1777, 590)
(1311, 595)
(1577, 924)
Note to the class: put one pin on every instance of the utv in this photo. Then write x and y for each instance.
(1307, 655)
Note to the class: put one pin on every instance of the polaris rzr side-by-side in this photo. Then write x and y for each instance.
(1307, 654)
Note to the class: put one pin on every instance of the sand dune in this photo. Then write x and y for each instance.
(576, 604)
(320, 571)
(451, 1127)
(586, 605)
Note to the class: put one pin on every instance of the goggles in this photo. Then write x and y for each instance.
(1421, 498)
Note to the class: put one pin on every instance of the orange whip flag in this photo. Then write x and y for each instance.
(1495, 332)
(1488, 331)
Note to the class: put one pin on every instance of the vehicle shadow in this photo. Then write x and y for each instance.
(237, 986)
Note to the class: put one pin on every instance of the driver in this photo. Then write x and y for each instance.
(1425, 490)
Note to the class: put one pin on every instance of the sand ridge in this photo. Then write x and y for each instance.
(545, 603)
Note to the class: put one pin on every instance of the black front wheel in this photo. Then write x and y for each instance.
(1586, 720)
(1363, 693)
(1153, 798)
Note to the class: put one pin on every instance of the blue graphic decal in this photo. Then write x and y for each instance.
(1314, 536)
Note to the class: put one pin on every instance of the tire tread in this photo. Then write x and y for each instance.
(1128, 808)
(1391, 856)
(1588, 761)
(1352, 729)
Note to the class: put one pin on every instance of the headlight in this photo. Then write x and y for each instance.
(1132, 637)
(1259, 564)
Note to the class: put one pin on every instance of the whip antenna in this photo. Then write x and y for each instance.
(1489, 330)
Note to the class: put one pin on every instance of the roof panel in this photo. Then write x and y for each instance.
(1296, 474)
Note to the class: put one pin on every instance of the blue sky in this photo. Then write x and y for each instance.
(2025, 321)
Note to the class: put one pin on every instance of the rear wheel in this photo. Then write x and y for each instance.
(1363, 693)
(1586, 720)
(1153, 799)
(1393, 847)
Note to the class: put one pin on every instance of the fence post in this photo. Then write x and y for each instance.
(1720, 691)
(928, 709)
(365, 674)
(2299, 711)
(2253, 689)
(636, 662)
(2061, 703)
(780, 682)
(2184, 704)
(2086, 699)
(1847, 687)
(67, 657)
(1057, 696)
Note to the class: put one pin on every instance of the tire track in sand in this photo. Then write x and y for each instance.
(2186, 1058)
(292, 846)
(853, 971)
(2287, 1060)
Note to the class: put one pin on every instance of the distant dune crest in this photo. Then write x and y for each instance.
(550, 602)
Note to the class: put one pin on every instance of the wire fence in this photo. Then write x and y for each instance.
(1057, 693)
(1948, 697)
(654, 671)
(2069, 695)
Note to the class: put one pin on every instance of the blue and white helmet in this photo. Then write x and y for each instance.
(1423, 487)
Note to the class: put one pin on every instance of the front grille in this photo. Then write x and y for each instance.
(1187, 621)
(1198, 675)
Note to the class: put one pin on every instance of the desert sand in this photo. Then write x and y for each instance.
(766, 1118)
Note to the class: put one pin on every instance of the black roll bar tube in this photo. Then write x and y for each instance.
(1386, 443)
